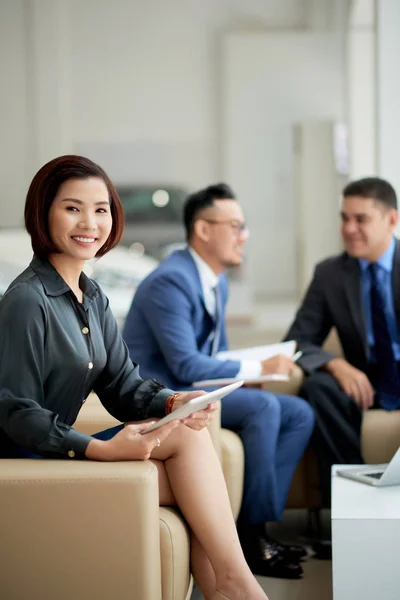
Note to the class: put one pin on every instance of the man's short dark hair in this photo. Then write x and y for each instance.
(373, 188)
(198, 201)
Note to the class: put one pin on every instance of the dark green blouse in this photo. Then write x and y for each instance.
(53, 352)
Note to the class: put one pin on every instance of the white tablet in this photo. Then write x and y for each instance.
(205, 383)
(196, 404)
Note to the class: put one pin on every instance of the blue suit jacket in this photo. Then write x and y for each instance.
(168, 327)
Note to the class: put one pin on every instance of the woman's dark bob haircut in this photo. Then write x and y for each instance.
(43, 190)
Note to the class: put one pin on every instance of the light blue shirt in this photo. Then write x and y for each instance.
(384, 276)
(249, 369)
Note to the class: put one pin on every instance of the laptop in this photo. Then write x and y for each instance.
(377, 475)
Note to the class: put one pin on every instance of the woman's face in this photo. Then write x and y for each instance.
(80, 218)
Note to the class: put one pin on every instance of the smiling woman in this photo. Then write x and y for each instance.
(59, 341)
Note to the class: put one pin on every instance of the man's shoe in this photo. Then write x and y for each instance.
(293, 553)
(264, 559)
(323, 549)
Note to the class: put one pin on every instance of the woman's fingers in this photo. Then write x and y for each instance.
(160, 433)
(200, 419)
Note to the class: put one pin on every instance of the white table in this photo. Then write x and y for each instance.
(365, 540)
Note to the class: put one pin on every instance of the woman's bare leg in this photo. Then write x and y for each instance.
(201, 568)
(197, 483)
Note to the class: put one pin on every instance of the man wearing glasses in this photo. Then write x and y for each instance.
(175, 329)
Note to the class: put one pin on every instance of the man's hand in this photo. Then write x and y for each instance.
(353, 381)
(199, 419)
(281, 364)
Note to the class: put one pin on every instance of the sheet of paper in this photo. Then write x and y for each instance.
(259, 352)
(225, 381)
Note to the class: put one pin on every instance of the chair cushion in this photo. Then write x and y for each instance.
(176, 581)
(233, 467)
(380, 435)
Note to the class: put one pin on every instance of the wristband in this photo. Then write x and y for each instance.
(169, 403)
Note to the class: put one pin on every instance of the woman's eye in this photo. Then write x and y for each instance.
(73, 208)
(102, 210)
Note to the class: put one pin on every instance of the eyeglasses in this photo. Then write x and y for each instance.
(238, 227)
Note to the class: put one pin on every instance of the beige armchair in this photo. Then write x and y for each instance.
(80, 529)
(380, 438)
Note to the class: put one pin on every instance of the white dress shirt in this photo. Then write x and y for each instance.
(209, 280)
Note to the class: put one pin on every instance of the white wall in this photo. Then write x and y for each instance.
(138, 87)
(361, 95)
(134, 83)
(388, 90)
(272, 82)
(14, 123)
(318, 185)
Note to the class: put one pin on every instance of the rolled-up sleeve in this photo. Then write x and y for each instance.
(120, 388)
(23, 417)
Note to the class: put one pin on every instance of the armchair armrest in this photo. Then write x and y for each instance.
(79, 529)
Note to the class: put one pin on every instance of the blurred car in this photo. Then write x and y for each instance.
(118, 273)
(153, 218)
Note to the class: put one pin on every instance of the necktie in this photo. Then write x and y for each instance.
(388, 376)
(217, 321)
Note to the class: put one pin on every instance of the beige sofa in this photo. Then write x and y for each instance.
(80, 529)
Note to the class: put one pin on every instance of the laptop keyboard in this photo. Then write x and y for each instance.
(374, 475)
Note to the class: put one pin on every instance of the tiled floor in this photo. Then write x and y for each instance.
(316, 583)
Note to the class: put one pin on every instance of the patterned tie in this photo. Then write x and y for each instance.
(388, 375)
(217, 321)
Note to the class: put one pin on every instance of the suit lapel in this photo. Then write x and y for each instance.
(352, 288)
(396, 283)
(197, 281)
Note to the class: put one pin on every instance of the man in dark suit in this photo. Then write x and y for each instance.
(175, 329)
(358, 293)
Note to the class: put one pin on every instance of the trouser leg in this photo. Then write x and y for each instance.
(337, 434)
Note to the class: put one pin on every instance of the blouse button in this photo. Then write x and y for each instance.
(71, 453)
(85, 330)
(90, 365)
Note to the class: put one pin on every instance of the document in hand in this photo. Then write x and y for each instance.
(259, 352)
(255, 353)
(206, 383)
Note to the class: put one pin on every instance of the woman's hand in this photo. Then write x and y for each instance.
(199, 419)
(130, 443)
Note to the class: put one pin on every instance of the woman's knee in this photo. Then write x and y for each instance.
(181, 441)
(185, 436)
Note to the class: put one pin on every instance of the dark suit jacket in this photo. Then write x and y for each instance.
(168, 328)
(334, 300)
